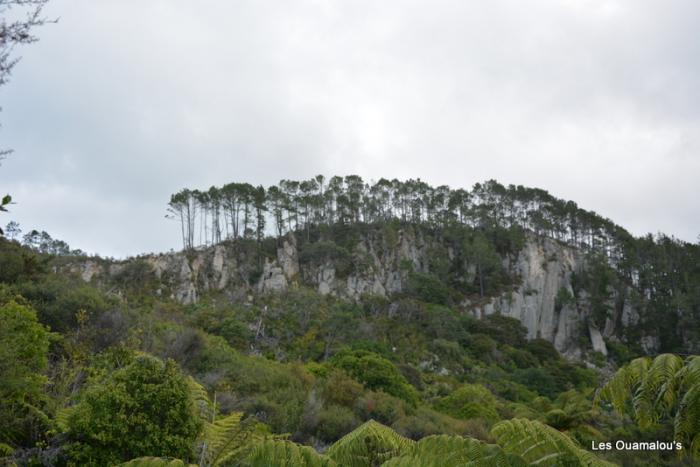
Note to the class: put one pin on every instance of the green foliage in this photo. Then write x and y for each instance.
(370, 445)
(564, 298)
(143, 409)
(236, 333)
(470, 401)
(24, 344)
(340, 389)
(154, 462)
(17, 263)
(335, 421)
(537, 443)
(453, 451)
(59, 301)
(376, 373)
(427, 288)
(282, 453)
(226, 438)
(658, 389)
(320, 252)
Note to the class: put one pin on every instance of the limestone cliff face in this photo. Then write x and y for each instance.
(381, 264)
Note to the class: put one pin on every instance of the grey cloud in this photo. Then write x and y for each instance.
(124, 102)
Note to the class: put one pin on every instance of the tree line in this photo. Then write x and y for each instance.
(241, 210)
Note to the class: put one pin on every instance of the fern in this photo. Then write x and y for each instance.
(204, 407)
(282, 453)
(227, 438)
(62, 416)
(447, 451)
(659, 388)
(623, 384)
(687, 420)
(539, 444)
(155, 462)
(657, 392)
(370, 444)
(5, 450)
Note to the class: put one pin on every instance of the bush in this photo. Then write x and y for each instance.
(380, 407)
(543, 350)
(236, 333)
(427, 288)
(24, 344)
(144, 409)
(17, 263)
(376, 373)
(539, 380)
(334, 422)
(340, 389)
(470, 401)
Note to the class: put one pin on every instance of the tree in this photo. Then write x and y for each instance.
(371, 444)
(143, 409)
(24, 344)
(12, 230)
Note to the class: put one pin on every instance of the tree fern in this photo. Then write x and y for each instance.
(623, 384)
(205, 408)
(155, 462)
(282, 453)
(228, 438)
(687, 420)
(447, 451)
(539, 444)
(659, 388)
(369, 445)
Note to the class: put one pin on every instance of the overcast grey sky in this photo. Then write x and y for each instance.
(124, 102)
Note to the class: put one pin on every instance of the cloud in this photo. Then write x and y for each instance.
(123, 103)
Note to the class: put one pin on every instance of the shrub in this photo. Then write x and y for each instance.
(376, 373)
(144, 409)
(381, 407)
(24, 344)
(340, 389)
(334, 422)
(427, 288)
(470, 401)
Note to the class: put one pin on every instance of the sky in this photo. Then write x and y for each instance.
(124, 102)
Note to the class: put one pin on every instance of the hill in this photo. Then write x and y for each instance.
(474, 323)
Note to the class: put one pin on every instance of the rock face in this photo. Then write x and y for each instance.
(544, 301)
(546, 269)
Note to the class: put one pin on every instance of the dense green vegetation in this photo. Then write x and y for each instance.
(660, 274)
(94, 377)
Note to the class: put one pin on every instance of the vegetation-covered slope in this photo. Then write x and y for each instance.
(105, 362)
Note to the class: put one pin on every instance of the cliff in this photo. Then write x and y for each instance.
(542, 295)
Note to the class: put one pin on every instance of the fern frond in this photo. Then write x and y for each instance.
(282, 453)
(155, 462)
(623, 383)
(6, 450)
(62, 416)
(539, 444)
(448, 451)
(657, 393)
(226, 438)
(687, 421)
(200, 396)
(369, 444)
(689, 375)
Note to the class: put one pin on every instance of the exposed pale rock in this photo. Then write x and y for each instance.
(89, 270)
(273, 279)
(597, 340)
(288, 257)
